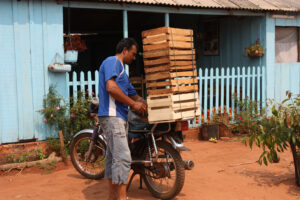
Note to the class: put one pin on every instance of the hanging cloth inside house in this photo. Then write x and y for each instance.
(286, 44)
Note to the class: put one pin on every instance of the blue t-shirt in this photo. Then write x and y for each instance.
(112, 67)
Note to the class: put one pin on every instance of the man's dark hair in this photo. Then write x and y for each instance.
(125, 43)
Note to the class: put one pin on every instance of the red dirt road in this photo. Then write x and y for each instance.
(225, 170)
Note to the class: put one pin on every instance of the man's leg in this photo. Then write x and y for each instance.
(113, 190)
(106, 127)
(121, 158)
(122, 192)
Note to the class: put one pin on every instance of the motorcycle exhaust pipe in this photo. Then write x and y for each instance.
(188, 164)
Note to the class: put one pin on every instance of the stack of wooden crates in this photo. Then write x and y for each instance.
(171, 75)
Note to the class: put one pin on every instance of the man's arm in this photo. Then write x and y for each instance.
(115, 91)
(138, 98)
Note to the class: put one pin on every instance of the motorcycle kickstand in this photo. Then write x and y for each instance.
(131, 178)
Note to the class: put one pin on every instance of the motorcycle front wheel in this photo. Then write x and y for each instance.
(165, 178)
(94, 166)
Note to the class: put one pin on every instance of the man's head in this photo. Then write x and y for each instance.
(127, 47)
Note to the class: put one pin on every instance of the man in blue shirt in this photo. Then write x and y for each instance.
(115, 95)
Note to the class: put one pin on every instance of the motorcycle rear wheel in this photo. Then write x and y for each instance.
(94, 167)
(169, 168)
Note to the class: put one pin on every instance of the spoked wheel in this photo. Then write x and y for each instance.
(92, 167)
(165, 178)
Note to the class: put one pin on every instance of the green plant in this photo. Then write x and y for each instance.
(276, 131)
(24, 157)
(53, 145)
(11, 158)
(48, 168)
(54, 109)
(255, 50)
(78, 118)
(39, 153)
(68, 117)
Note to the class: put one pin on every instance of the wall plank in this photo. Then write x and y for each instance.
(8, 83)
(31, 34)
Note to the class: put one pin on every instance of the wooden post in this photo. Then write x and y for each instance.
(61, 138)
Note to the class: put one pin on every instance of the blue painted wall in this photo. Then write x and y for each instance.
(237, 33)
(280, 76)
(31, 35)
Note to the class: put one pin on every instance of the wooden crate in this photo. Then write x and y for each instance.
(170, 107)
(169, 60)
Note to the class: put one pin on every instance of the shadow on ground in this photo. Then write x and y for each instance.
(274, 179)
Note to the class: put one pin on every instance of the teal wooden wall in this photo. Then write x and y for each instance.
(280, 76)
(31, 34)
(236, 33)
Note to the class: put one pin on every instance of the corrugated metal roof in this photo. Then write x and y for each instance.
(266, 5)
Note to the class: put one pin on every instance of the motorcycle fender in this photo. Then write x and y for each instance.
(84, 131)
(178, 146)
(91, 132)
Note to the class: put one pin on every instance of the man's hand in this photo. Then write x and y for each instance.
(139, 107)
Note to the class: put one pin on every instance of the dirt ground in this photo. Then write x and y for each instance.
(224, 170)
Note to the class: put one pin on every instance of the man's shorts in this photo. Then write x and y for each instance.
(118, 158)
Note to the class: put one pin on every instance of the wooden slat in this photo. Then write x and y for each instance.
(185, 105)
(187, 73)
(167, 52)
(174, 57)
(168, 75)
(173, 60)
(160, 68)
(175, 31)
(158, 84)
(179, 63)
(168, 44)
(164, 45)
(186, 114)
(175, 97)
(158, 61)
(183, 57)
(184, 81)
(159, 91)
(168, 115)
(190, 88)
(164, 37)
(158, 76)
(171, 83)
(163, 68)
(173, 90)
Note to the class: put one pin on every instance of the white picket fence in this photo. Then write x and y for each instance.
(216, 88)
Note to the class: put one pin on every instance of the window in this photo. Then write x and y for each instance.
(211, 39)
(286, 44)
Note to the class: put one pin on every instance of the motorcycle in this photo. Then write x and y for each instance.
(155, 151)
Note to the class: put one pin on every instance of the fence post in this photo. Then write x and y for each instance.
(82, 89)
(248, 81)
(238, 87)
(217, 90)
(67, 87)
(243, 82)
(253, 83)
(200, 96)
(258, 89)
(222, 89)
(74, 86)
(227, 89)
(263, 92)
(90, 83)
(211, 92)
(232, 91)
(97, 83)
(205, 94)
